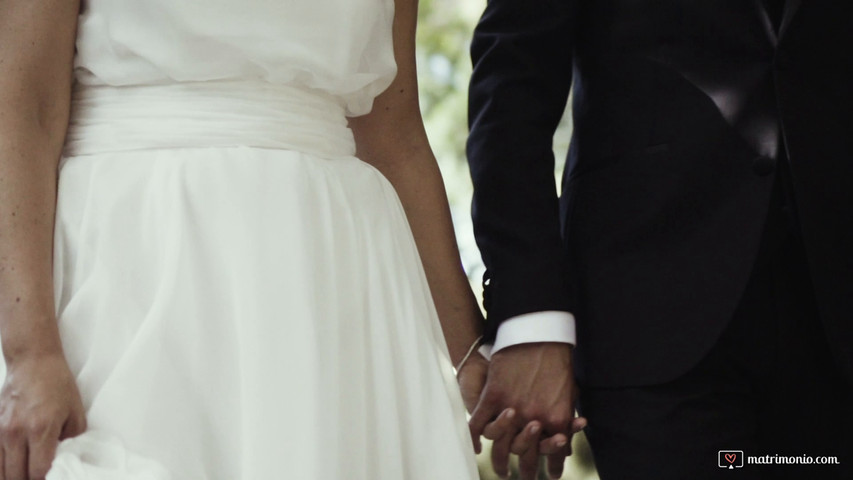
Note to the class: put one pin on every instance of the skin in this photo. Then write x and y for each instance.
(392, 139)
(535, 382)
(39, 401)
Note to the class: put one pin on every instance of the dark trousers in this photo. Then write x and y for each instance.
(768, 387)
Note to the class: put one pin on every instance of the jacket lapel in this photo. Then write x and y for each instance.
(791, 8)
(766, 21)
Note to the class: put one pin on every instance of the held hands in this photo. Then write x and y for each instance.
(39, 406)
(472, 379)
(524, 401)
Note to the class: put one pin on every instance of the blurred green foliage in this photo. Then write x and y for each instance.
(444, 37)
(445, 28)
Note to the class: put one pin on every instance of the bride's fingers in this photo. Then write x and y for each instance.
(75, 425)
(15, 457)
(42, 450)
(562, 442)
(578, 424)
(475, 439)
(501, 426)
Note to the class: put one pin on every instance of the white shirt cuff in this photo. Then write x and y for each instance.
(536, 327)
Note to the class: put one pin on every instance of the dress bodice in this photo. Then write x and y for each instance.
(341, 47)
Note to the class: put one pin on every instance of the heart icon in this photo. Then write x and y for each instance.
(731, 457)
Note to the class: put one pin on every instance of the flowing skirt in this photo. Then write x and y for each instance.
(249, 313)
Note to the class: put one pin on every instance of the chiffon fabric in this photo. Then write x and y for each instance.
(239, 296)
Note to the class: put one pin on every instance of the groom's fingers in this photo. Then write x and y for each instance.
(556, 448)
(554, 445)
(556, 463)
(481, 416)
(500, 455)
(503, 425)
(528, 439)
(528, 464)
(508, 440)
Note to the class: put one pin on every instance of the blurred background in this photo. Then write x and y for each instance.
(444, 65)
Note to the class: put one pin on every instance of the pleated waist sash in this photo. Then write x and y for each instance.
(206, 114)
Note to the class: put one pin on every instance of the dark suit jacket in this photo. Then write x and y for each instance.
(679, 107)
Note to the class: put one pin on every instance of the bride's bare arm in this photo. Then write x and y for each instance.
(39, 401)
(36, 48)
(392, 138)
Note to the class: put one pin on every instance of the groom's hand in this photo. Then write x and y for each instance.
(536, 383)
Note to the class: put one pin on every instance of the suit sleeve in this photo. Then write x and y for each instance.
(522, 57)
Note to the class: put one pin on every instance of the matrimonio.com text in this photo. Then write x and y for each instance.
(733, 459)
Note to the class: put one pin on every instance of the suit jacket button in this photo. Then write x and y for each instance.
(763, 166)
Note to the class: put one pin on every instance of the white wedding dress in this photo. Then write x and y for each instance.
(239, 297)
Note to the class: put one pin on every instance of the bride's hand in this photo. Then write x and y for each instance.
(472, 379)
(39, 405)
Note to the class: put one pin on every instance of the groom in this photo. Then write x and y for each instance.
(700, 255)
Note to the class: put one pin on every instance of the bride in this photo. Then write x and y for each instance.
(225, 247)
